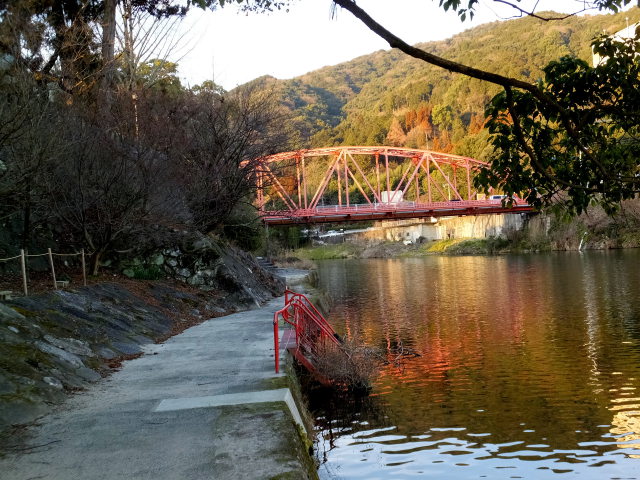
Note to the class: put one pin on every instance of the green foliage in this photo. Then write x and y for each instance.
(161, 75)
(287, 238)
(208, 87)
(443, 116)
(245, 237)
(247, 5)
(164, 8)
(328, 252)
(147, 272)
(491, 245)
(473, 246)
(293, 235)
(441, 245)
(583, 148)
(244, 228)
(466, 8)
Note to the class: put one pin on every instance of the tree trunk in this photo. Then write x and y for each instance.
(108, 49)
(58, 21)
(95, 261)
(26, 226)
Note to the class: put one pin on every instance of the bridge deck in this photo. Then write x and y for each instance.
(390, 211)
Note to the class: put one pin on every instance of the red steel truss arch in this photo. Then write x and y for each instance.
(389, 182)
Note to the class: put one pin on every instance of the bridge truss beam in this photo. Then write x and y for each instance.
(389, 182)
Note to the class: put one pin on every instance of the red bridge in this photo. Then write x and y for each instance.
(349, 184)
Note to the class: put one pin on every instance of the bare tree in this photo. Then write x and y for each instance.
(103, 192)
(142, 38)
(29, 145)
(216, 147)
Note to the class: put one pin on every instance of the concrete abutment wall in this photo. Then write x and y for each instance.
(472, 226)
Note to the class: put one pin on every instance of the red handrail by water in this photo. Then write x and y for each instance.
(311, 328)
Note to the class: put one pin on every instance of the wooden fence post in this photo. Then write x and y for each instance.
(53, 270)
(84, 269)
(23, 267)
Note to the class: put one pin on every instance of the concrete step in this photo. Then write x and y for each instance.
(266, 263)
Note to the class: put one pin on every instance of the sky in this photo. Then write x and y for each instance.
(234, 48)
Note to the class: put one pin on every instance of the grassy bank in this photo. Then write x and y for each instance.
(327, 252)
(471, 246)
(395, 249)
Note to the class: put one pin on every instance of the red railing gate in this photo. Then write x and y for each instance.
(311, 329)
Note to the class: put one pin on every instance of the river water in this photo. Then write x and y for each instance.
(528, 367)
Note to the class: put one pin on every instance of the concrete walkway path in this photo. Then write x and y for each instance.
(206, 404)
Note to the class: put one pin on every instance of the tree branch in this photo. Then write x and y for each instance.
(396, 42)
(535, 15)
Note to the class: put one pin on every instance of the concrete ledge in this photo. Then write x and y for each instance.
(279, 395)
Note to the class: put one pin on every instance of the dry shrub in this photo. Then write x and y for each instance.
(350, 364)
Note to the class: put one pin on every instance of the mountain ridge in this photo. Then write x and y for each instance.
(387, 97)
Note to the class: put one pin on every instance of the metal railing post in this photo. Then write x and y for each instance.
(53, 270)
(23, 268)
(276, 341)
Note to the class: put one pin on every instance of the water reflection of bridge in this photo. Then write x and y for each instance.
(350, 184)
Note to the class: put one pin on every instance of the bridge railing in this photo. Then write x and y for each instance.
(389, 210)
(311, 328)
(412, 204)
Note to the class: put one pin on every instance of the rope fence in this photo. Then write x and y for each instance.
(24, 256)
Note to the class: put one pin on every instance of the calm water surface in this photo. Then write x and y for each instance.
(529, 368)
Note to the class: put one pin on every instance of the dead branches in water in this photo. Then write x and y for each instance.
(353, 365)
(398, 354)
(350, 364)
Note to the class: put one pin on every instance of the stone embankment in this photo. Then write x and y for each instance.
(209, 265)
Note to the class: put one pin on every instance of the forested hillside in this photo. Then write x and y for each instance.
(389, 98)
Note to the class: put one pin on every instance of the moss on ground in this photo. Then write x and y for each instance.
(288, 443)
(296, 392)
(328, 252)
(440, 246)
(275, 383)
